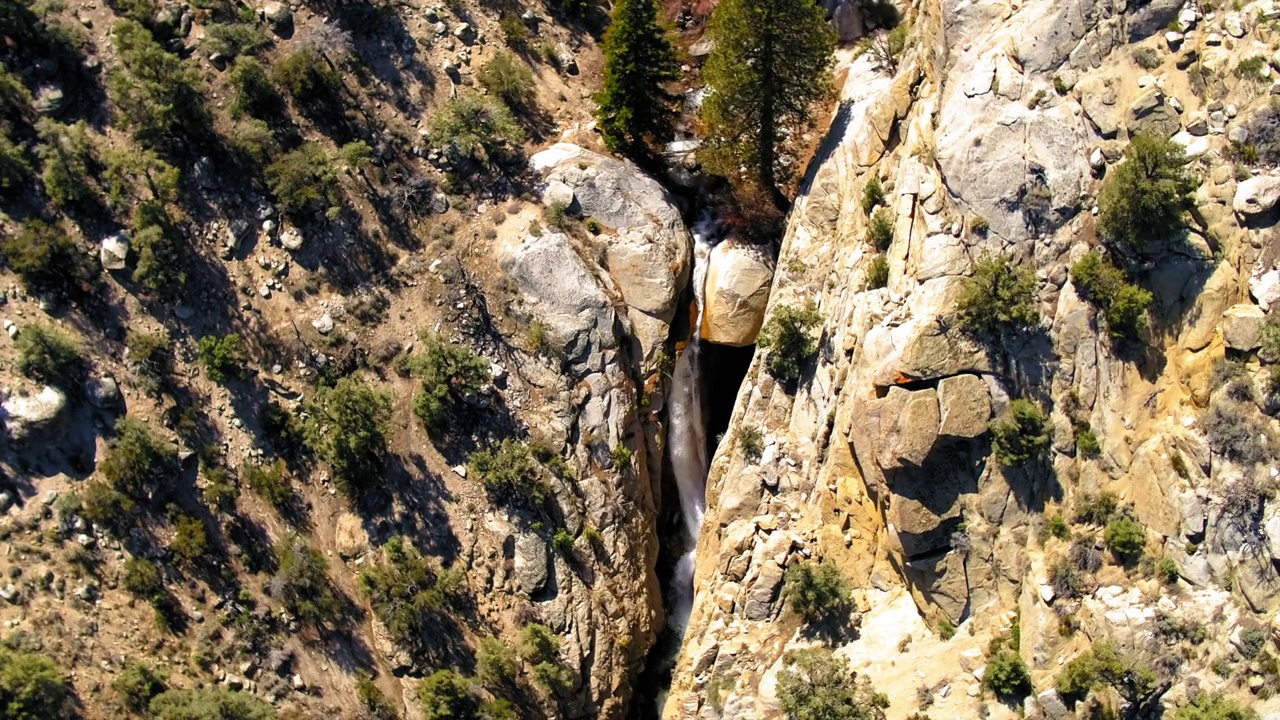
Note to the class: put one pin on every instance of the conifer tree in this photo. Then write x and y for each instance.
(634, 107)
(770, 65)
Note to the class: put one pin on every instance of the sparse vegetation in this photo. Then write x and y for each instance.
(410, 595)
(304, 180)
(49, 355)
(508, 78)
(47, 259)
(140, 463)
(816, 590)
(209, 704)
(872, 195)
(999, 298)
(750, 441)
(787, 338)
(223, 358)
(1021, 434)
(878, 273)
(1237, 431)
(137, 684)
(880, 231)
(1007, 676)
(475, 127)
(346, 427)
(1145, 198)
(450, 374)
(302, 583)
(1147, 58)
(510, 474)
(1123, 304)
(815, 684)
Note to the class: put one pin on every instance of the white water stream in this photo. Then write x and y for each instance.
(687, 436)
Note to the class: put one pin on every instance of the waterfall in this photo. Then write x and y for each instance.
(687, 435)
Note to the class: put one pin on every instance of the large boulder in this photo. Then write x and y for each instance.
(28, 414)
(562, 293)
(1257, 195)
(114, 252)
(964, 405)
(1242, 327)
(908, 422)
(737, 292)
(531, 562)
(648, 249)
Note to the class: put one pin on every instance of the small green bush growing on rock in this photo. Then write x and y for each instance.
(815, 684)
(231, 40)
(305, 179)
(1250, 68)
(1021, 434)
(190, 542)
(786, 337)
(346, 427)
(142, 578)
(1057, 527)
(880, 231)
(1167, 571)
(223, 357)
(31, 687)
(815, 590)
(750, 441)
(1102, 283)
(1066, 580)
(449, 374)
(511, 474)
(878, 273)
(1097, 509)
(538, 644)
(1087, 443)
(408, 593)
(66, 153)
(1103, 665)
(372, 698)
(998, 298)
(49, 355)
(1125, 537)
(1147, 58)
(1007, 676)
(872, 195)
(1147, 195)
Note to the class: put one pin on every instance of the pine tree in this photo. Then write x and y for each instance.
(634, 107)
(770, 65)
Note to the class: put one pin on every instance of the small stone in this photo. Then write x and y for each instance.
(1174, 39)
(264, 290)
(114, 252)
(1213, 39)
(323, 324)
(460, 471)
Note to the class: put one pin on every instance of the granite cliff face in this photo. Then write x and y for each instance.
(994, 136)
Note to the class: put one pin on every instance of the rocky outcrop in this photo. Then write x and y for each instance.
(648, 250)
(737, 291)
(29, 414)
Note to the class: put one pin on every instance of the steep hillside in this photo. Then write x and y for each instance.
(992, 138)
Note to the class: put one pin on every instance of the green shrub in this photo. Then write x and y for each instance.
(302, 583)
(510, 474)
(562, 541)
(190, 543)
(557, 214)
(372, 699)
(872, 195)
(65, 153)
(1147, 58)
(815, 590)
(346, 427)
(137, 684)
(1102, 283)
(209, 704)
(1237, 432)
(49, 355)
(304, 180)
(1250, 68)
(1087, 443)
(106, 507)
(409, 594)
(253, 92)
(593, 226)
(149, 355)
(878, 273)
(1097, 509)
(1102, 665)
(787, 340)
(159, 248)
(998, 298)
(1058, 527)
(538, 644)
(1007, 676)
(815, 684)
(1125, 537)
(219, 493)
(508, 78)
(1066, 580)
(253, 140)
(475, 127)
(946, 628)
(32, 687)
(223, 357)
(1167, 571)
(47, 260)
(1270, 349)
(621, 457)
(1146, 196)
(880, 231)
(307, 77)
(142, 578)
(232, 40)
(513, 29)
(1021, 434)
(750, 441)
(1215, 706)
(1252, 640)
(156, 92)
(272, 483)
(496, 664)
(449, 374)
(131, 175)
(979, 225)
(140, 463)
